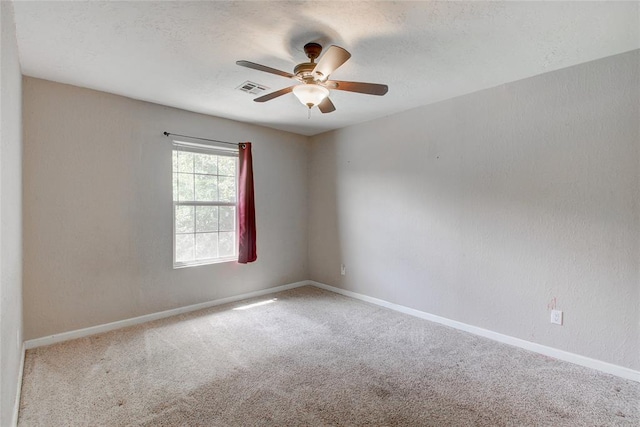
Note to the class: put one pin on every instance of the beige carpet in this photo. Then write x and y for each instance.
(311, 357)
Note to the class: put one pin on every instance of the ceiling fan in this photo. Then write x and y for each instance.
(314, 77)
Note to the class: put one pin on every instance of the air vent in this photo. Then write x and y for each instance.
(252, 88)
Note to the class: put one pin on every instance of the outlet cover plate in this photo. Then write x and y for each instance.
(556, 317)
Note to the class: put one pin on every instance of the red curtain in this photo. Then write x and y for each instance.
(246, 207)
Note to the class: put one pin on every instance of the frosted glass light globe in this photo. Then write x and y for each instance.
(310, 94)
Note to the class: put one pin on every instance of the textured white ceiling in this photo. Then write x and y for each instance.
(183, 54)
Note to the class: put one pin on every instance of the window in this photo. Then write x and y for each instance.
(204, 204)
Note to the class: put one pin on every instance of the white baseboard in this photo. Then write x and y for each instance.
(16, 404)
(79, 333)
(599, 365)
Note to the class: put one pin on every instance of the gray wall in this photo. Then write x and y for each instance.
(492, 207)
(10, 215)
(487, 209)
(98, 209)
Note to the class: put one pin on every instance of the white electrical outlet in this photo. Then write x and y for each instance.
(556, 317)
(343, 270)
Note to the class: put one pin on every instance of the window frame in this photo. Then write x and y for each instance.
(210, 149)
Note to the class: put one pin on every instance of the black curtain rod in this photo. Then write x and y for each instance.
(205, 139)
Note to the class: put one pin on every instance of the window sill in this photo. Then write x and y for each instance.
(205, 262)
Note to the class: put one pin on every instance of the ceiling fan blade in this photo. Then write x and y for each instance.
(264, 68)
(360, 87)
(275, 94)
(334, 57)
(326, 106)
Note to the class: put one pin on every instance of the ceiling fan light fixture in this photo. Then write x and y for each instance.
(313, 84)
(310, 94)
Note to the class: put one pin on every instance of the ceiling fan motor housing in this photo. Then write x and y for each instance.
(304, 71)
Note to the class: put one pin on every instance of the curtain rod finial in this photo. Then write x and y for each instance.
(166, 133)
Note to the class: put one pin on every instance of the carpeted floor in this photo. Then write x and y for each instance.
(311, 357)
